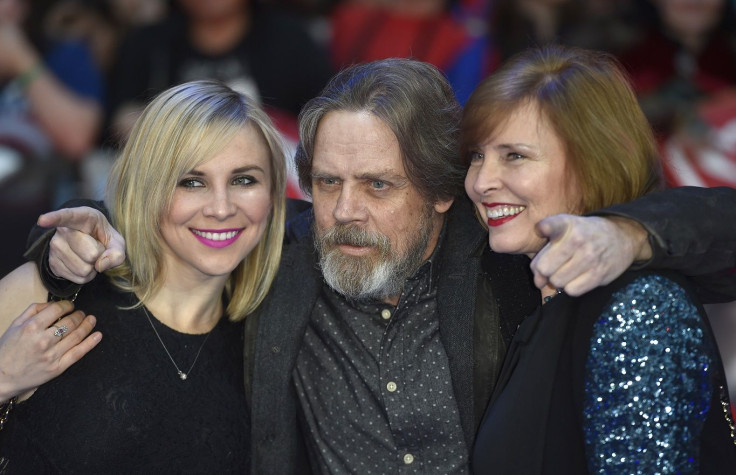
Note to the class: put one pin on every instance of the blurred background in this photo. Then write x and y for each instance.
(74, 75)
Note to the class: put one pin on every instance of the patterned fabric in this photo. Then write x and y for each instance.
(625, 379)
(648, 385)
(375, 387)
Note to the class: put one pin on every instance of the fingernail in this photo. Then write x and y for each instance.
(102, 264)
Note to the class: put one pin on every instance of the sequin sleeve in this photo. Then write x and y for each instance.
(647, 387)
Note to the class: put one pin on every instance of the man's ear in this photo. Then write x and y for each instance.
(442, 206)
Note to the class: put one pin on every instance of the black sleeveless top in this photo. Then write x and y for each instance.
(123, 407)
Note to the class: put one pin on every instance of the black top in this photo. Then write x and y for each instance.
(123, 408)
(625, 379)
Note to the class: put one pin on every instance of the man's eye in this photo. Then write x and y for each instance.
(327, 180)
(191, 183)
(378, 184)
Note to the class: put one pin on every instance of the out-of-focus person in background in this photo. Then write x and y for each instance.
(683, 68)
(686, 53)
(593, 24)
(446, 33)
(255, 49)
(51, 92)
(101, 24)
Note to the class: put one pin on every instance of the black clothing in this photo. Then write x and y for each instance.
(276, 61)
(123, 408)
(467, 305)
(382, 368)
(625, 379)
(479, 307)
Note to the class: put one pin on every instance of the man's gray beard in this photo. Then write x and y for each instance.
(370, 277)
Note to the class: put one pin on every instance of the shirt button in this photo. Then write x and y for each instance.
(408, 459)
(391, 386)
(385, 314)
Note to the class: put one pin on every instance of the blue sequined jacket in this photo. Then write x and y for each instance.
(626, 379)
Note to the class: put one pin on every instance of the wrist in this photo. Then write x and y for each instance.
(638, 237)
(7, 392)
(30, 74)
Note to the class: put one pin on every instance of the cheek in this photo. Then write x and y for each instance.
(322, 209)
(480, 213)
(470, 182)
(257, 207)
(183, 207)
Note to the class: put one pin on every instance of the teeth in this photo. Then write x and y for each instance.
(504, 211)
(216, 236)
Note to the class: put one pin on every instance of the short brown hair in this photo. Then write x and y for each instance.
(586, 97)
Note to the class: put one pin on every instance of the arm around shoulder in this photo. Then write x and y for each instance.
(691, 230)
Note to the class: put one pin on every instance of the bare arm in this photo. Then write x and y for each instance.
(72, 122)
(33, 347)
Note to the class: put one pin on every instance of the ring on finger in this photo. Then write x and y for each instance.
(60, 330)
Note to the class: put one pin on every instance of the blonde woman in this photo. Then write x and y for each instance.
(198, 195)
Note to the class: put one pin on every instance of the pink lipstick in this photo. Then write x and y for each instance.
(217, 238)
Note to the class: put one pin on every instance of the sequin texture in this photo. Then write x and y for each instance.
(648, 381)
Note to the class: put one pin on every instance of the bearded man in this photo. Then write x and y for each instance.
(383, 346)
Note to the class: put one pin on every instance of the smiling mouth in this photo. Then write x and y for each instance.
(499, 212)
(215, 236)
(217, 239)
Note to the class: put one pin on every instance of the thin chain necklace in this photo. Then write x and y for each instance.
(181, 373)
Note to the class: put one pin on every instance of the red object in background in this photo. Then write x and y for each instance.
(363, 33)
(652, 64)
(287, 124)
(706, 156)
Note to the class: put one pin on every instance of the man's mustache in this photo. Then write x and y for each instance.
(350, 235)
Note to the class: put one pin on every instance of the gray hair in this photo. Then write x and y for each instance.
(415, 101)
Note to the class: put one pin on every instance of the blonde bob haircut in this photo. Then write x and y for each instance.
(587, 99)
(180, 129)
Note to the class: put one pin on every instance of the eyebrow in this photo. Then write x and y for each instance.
(233, 172)
(383, 175)
(508, 146)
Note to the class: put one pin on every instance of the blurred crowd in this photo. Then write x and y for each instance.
(74, 74)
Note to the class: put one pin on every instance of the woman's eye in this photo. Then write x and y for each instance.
(243, 180)
(191, 183)
(514, 156)
(475, 156)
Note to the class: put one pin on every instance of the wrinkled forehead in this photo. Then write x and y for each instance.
(357, 142)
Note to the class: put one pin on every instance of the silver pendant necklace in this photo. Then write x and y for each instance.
(182, 374)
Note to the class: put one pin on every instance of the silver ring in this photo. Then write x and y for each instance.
(60, 331)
